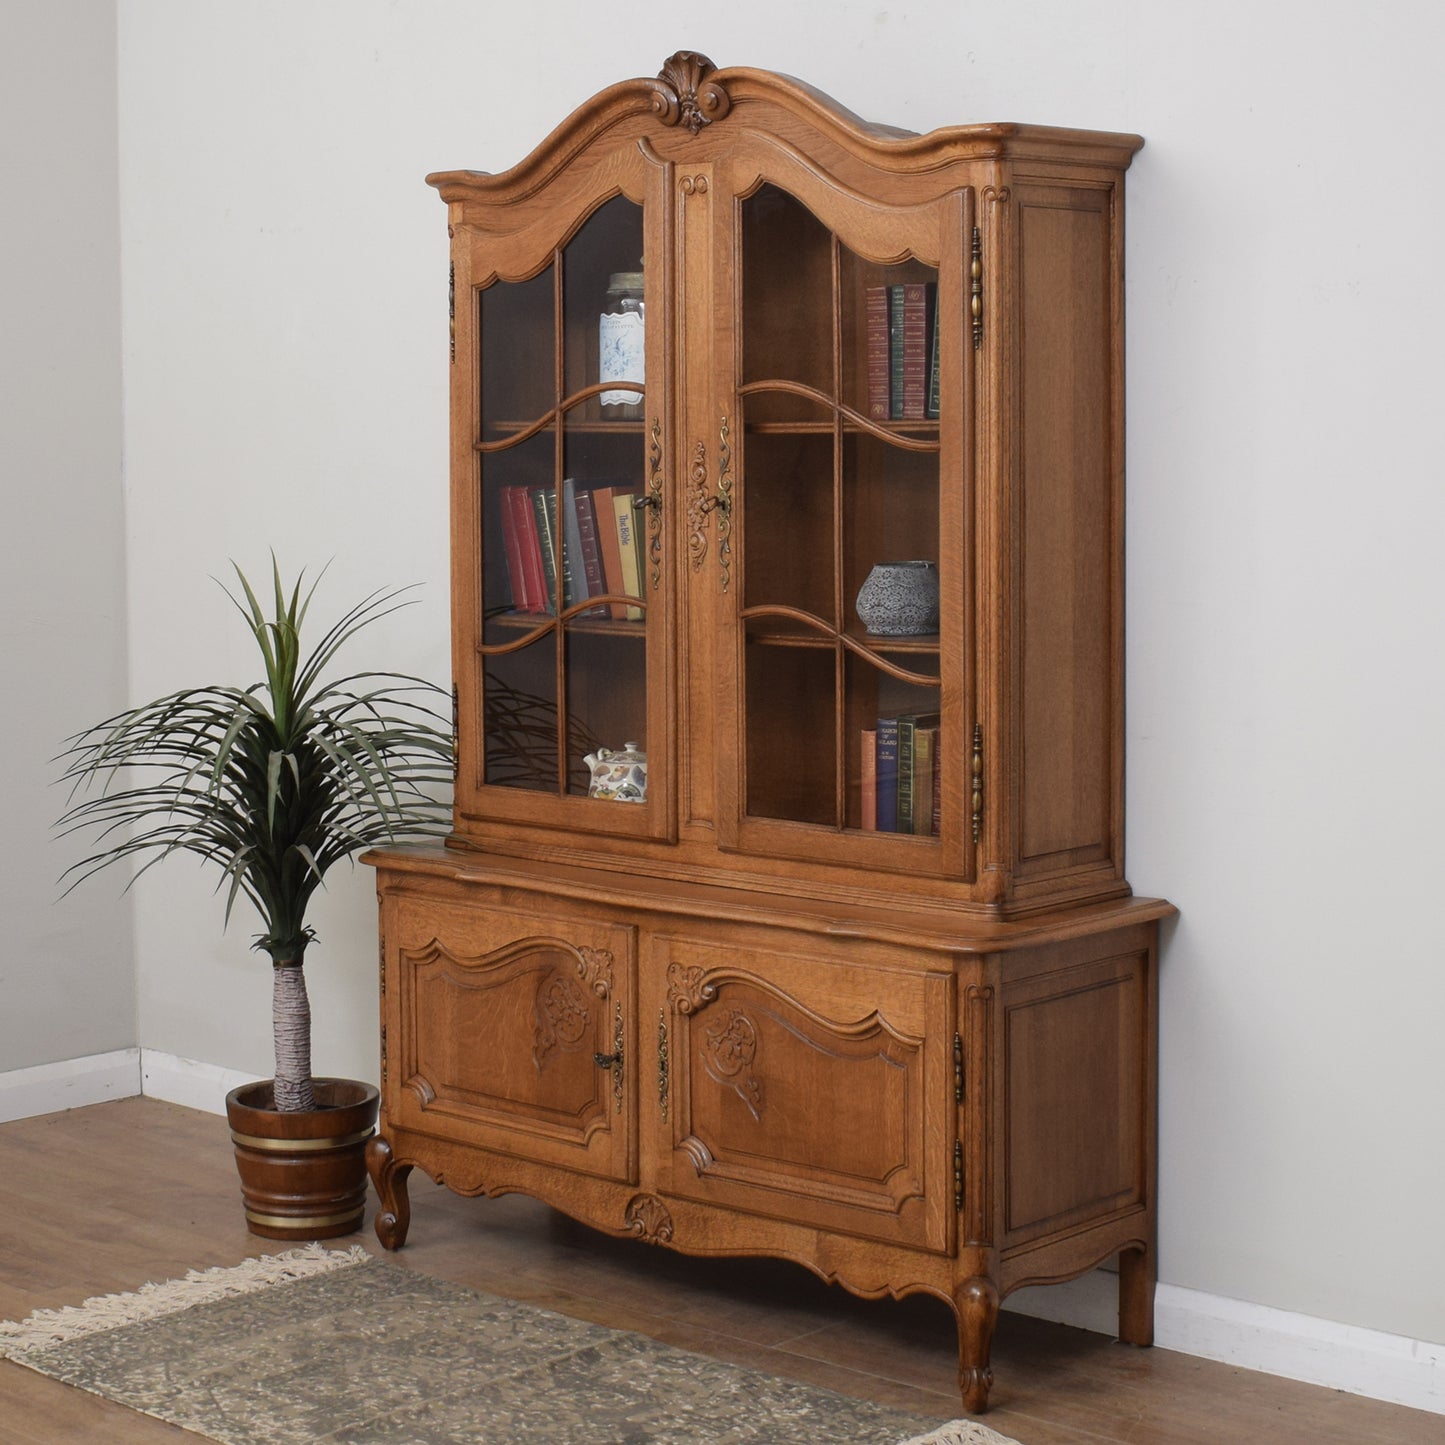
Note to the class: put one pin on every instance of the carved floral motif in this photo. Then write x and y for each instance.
(562, 1017)
(595, 969)
(687, 990)
(697, 508)
(732, 1047)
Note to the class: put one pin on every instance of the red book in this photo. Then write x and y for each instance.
(915, 350)
(512, 545)
(532, 551)
(582, 505)
(875, 320)
(517, 509)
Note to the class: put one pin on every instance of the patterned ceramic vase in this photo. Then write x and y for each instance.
(619, 775)
(900, 599)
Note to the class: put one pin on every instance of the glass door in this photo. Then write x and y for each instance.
(851, 557)
(567, 460)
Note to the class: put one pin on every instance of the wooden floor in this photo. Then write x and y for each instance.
(102, 1199)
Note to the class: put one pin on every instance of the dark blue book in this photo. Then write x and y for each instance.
(887, 772)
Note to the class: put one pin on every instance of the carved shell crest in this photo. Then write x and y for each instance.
(683, 94)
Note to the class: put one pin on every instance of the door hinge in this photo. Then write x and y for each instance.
(452, 307)
(975, 287)
(957, 1069)
(976, 772)
(958, 1176)
(456, 733)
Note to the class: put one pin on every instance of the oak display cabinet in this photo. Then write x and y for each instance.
(741, 1015)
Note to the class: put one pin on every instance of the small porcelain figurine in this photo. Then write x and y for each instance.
(619, 775)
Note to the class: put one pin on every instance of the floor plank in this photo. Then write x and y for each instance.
(103, 1199)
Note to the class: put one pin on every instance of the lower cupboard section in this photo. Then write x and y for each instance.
(942, 1113)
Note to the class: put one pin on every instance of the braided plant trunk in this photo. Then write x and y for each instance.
(291, 1024)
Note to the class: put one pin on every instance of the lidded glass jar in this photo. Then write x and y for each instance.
(621, 348)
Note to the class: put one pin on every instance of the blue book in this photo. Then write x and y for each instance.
(887, 770)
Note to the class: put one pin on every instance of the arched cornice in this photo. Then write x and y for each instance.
(689, 96)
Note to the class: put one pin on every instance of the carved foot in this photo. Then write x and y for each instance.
(976, 1303)
(393, 1219)
(1136, 1296)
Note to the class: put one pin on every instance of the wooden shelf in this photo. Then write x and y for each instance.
(774, 634)
(594, 626)
(925, 429)
(501, 430)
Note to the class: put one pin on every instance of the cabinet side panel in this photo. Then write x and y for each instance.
(1067, 654)
(1076, 1088)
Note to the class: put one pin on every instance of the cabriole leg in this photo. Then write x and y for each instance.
(393, 1219)
(976, 1303)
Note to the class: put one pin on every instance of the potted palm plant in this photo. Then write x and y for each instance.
(274, 783)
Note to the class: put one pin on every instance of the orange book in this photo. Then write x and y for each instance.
(868, 779)
(609, 548)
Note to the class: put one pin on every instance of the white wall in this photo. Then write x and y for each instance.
(67, 976)
(285, 337)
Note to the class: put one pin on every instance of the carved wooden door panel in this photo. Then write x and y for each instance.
(511, 1032)
(814, 1090)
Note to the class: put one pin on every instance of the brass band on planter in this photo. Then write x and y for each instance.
(299, 1146)
(300, 1221)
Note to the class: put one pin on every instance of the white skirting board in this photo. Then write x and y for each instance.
(1256, 1337)
(1248, 1336)
(70, 1084)
(184, 1081)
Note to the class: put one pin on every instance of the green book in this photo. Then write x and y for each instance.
(904, 815)
(544, 505)
(915, 792)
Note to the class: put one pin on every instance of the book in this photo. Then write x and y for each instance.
(531, 548)
(607, 544)
(580, 536)
(875, 322)
(936, 830)
(930, 404)
(917, 309)
(512, 546)
(898, 776)
(868, 780)
(545, 519)
(925, 796)
(903, 810)
(886, 774)
(895, 353)
(625, 520)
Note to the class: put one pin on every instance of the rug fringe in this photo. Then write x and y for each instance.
(962, 1432)
(151, 1301)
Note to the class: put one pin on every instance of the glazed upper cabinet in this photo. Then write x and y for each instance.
(848, 348)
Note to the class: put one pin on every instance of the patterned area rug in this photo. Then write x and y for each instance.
(319, 1347)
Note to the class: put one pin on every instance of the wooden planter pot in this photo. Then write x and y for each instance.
(303, 1176)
